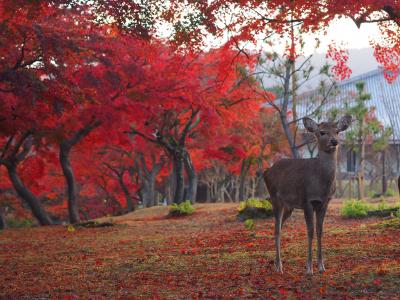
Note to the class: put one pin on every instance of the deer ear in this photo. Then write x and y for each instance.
(310, 125)
(344, 122)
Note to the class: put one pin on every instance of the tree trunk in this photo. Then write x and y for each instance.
(3, 222)
(242, 178)
(384, 179)
(361, 170)
(152, 181)
(209, 187)
(172, 184)
(192, 179)
(26, 195)
(260, 188)
(129, 201)
(179, 188)
(65, 148)
(144, 188)
(284, 109)
(71, 186)
(339, 180)
(148, 178)
(289, 136)
(152, 189)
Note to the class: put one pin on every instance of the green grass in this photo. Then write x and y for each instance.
(353, 208)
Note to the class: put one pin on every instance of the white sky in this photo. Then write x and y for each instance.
(344, 31)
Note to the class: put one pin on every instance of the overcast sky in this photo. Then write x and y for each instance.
(346, 32)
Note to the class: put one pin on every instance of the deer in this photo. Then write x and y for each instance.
(307, 184)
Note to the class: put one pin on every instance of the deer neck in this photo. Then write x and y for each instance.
(327, 163)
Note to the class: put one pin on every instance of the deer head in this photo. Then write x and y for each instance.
(327, 132)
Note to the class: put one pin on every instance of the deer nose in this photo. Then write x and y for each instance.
(334, 142)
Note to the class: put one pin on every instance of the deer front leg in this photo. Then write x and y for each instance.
(320, 223)
(278, 212)
(309, 216)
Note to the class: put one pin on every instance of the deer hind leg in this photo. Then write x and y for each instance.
(278, 214)
(309, 216)
(286, 215)
(320, 223)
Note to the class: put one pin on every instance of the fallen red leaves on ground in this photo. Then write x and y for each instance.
(206, 255)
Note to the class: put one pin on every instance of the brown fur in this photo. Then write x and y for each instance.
(306, 184)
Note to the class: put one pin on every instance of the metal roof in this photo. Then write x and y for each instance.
(385, 97)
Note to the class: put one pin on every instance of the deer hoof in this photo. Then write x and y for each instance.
(321, 268)
(309, 271)
(278, 268)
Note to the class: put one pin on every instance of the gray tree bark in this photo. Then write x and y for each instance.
(65, 148)
(128, 197)
(192, 179)
(33, 202)
(242, 178)
(3, 221)
(11, 162)
(180, 187)
(148, 178)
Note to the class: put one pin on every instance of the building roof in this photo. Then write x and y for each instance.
(385, 97)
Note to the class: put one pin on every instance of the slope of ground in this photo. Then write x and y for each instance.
(206, 255)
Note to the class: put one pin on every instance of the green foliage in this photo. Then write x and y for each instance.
(255, 203)
(19, 223)
(371, 194)
(381, 136)
(254, 208)
(182, 209)
(354, 209)
(359, 209)
(249, 223)
(365, 126)
(397, 214)
(390, 192)
(382, 204)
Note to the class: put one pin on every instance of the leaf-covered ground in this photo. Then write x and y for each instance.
(206, 255)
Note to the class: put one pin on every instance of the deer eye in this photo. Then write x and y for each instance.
(322, 132)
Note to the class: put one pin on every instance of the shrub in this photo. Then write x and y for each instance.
(390, 192)
(254, 208)
(355, 209)
(382, 204)
(249, 223)
(255, 203)
(360, 209)
(19, 223)
(182, 209)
